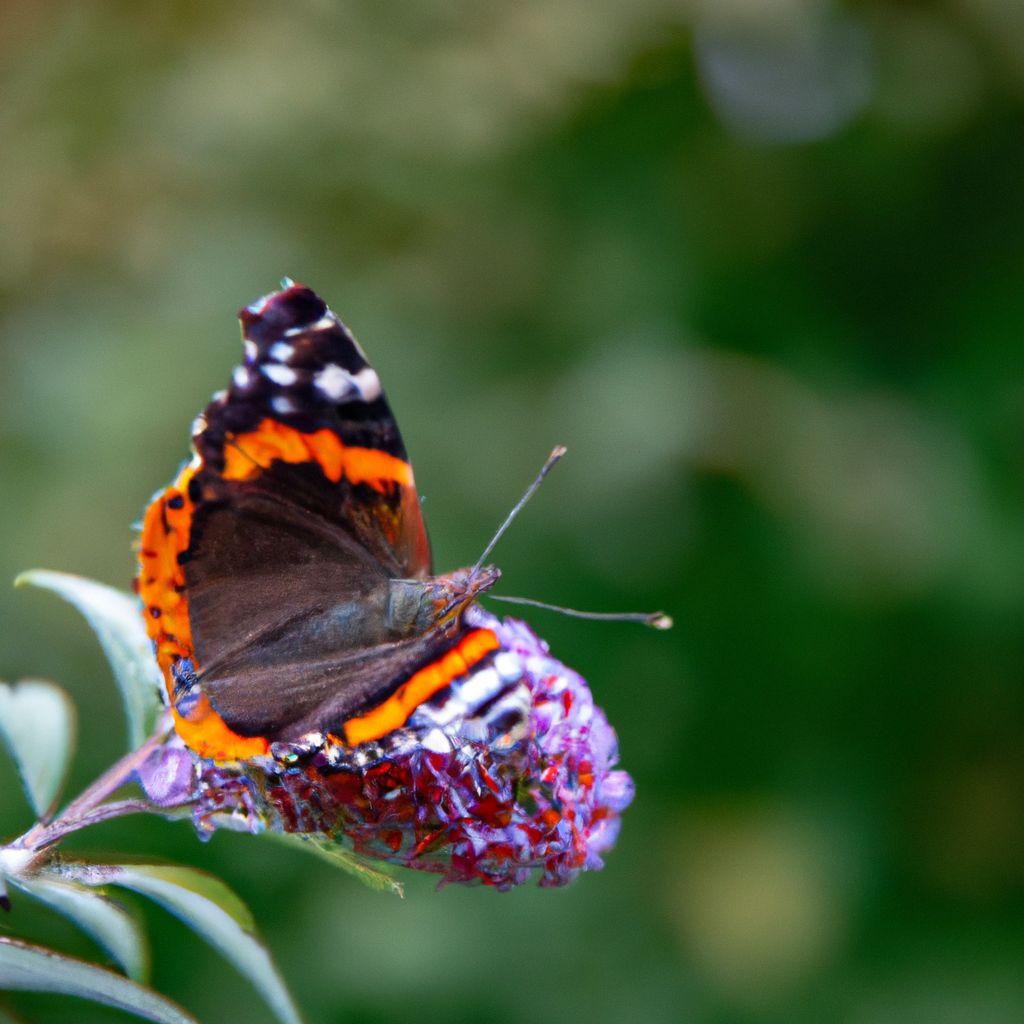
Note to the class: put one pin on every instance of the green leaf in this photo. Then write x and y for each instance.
(37, 725)
(117, 621)
(33, 969)
(109, 923)
(337, 855)
(211, 910)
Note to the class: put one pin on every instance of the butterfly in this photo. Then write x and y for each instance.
(286, 573)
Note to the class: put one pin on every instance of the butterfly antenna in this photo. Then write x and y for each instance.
(656, 620)
(555, 455)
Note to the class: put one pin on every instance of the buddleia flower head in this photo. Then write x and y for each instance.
(547, 805)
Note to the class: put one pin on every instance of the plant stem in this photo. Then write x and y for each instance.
(85, 809)
(64, 826)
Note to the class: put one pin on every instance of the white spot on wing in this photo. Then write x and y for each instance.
(325, 323)
(251, 351)
(368, 383)
(241, 377)
(339, 385)
(281, 351)
(334, 382)
(283, 375)
(480, 687)
(508, 666)
(283, 404)
(451, 710)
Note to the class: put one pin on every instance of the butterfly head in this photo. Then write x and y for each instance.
(455, 591)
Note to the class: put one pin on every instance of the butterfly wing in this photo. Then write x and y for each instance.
(306, 398)
(267, 568)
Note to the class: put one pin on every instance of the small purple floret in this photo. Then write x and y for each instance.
(167, 776)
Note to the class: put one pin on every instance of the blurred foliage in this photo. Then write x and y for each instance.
(759, 265)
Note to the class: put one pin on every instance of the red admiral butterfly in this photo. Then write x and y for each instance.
(286, 573)
(327, 681)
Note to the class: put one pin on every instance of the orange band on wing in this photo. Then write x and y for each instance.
(161, 581)
(209, 736)
(419, 687)
(245, 455)
(161, 584)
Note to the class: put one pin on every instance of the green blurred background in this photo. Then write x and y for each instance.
(759, 265)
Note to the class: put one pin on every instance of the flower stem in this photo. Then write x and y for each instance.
(86, 808)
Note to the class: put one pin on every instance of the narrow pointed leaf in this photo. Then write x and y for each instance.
(337, 855)
(106, 921)
(211, 910)
(116, 618)
(37, 725)
(31, 968)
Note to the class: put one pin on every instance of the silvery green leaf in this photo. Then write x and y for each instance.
(337, 855)
(211, 910)
(117, 621)
(37, 725)
(110, 924)
(29, 968)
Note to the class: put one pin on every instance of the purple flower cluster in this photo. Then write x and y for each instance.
(549, 804)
